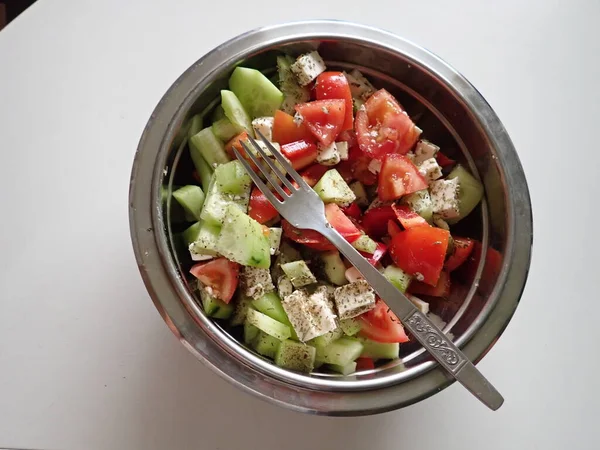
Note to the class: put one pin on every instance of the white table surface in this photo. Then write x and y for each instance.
(85, 359)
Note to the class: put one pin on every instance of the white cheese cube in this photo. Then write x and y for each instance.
(265, 126)
(359, 86)
(342, 148)
(424, 150)
(321, 313)
(328, 156)
(199, 256)
(308, 67)
(421, 305)
(256, 282)
(295, 308)
(444, 198)
(374, 166)
(430, 170)
(354, 299)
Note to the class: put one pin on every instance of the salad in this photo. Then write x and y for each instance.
(288, 293)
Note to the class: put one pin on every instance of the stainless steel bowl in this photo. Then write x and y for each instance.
(452, 114)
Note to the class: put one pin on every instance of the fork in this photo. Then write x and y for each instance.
(302, 207)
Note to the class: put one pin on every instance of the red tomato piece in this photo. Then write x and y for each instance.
(381, 325)
(285, 130)
(219, 275)
(383, 127)
(313, 174)
(348, 136)
(462, 250)
(421, 251)
(393, 228)
(408, 218)
(236, 142)
(365, 364)
(379, 253)
(441, 289)
(338, 220)
(443, 160)
(259, 208)
(334, 85)
(398, 177)
(323, 118)
(300, 153)
(352, 211)
(375, 220)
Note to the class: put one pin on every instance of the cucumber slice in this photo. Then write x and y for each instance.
(292, 91)
(294, 355)
(266, 345)
(205, 172)
(191, 199)
(470, 192)
(344, 370)
(233, 178)
(224, 129)
(350, 327)
(250, 334)
(270, 326)
(191, 234)
(235, 112)
(298, 273)
(242, 304)
(270, 304)
(259, 96)
(379, 350)
(206, 239)
(362, 199)
(333, 267)
(420, 202)
(333, 189)
(326, 339)
(243, 241)
(365, 244)
(206, 143)
(196, 124)
(217, 201)
(397, 277)
(217, 114)
(287, 253)
(214, 307)
(340, 352)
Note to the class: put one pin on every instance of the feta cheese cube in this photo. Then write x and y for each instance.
(256, 282)
(295, 308)
(359, 86)
(199, 256)
(321, 313)
(308, 67)
(374, 166)
(265, 126)
(425, 150)
(444, 198)
(342, 148)
(421, 305)
(430, 170)
(354, 299)
(328, 156)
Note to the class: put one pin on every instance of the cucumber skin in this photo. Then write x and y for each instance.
(268, 325)
(266, 345)
(191, 233)
(255, 91)
(341, 352)
(214, 307)
(343, 370)
(209, 146)
(196, 124)
(205, 172)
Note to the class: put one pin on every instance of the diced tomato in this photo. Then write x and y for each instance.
(313, 174)
(259, 208)
(398, 177)
(421, 251)
(300, 153)
(365, 364)
(285, 130)
(383, 127)
(338, 220)
(312, 89)
(379, 253)
(393, 228)
(236, 142)
(348, 136)
(334, 85)
(408, 218)
(352, 211)
(443, 160)
(441, 289)
(462, 250)
(219, 275)
(323, 118)
(381, 325)
(375, 220)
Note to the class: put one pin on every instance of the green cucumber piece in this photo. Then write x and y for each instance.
(266, 345)
(259, 96)
(209, 146)
(340, 352)
(344, 370)
(191, 234)
(270, 304)
(470, 192)
(333, 189)
(214, 307)
(288, 83)
(350, 327)
(218, 113)
(270, 326)
(420, 202)
(242, 304)
(217, 201)
(362, 199)
(233, 178)
(205, 172)
(287, 253)
(250, 334)
(206, 239)
(275, 239)
(191, 199)
(365, 244)
(325, 339)
(224, 129)
(333, 267)
(242, 240)
(298, 273)
(379, 350)
(235, 112)
(397, 277)
(294, 355)
(196, 124)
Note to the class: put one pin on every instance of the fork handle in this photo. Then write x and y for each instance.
(430, 336)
